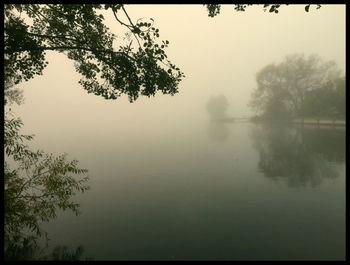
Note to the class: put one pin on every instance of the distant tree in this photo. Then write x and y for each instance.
(340, 97)
(313, 104)
(290, 81)
(276, 110)
(327, 101)
(217, 107)
(270, 95)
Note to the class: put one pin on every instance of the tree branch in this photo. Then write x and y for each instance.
(50, 36)
(69, 48)
(121, 22)
(131, 28)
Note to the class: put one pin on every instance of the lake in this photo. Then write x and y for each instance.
(218, 191)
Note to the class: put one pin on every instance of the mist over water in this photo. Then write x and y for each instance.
(194, 197)
(182, 177)
(187, 187)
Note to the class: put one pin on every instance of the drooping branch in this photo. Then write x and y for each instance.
(79, 32)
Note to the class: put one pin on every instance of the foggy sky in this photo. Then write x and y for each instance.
(219, 55)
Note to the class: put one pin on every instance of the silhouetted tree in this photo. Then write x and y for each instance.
(326, 102)
(77, 30)
(289, 82)
(36, 184)
(217, 107)
(214, 9)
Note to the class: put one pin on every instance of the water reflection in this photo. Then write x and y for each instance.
(330, 143)
(218, 131)
(32, 251)
(300, 156)
(216, 108)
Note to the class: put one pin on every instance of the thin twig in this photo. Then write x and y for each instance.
(131, 28)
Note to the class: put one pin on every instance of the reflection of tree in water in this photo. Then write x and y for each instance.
(328, 143)
(218, 131)
(30, 251)
(302, 157)
(216, 108)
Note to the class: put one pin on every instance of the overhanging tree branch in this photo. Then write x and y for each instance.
(66, 48)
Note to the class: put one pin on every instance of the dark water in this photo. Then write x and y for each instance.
(226, 191)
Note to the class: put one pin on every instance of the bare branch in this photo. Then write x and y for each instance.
(131, 28)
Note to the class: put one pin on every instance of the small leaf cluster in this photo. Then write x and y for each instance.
(23, 59)
(214, 9)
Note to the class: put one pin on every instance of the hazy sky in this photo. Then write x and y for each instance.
(223, 54)
(219, 55)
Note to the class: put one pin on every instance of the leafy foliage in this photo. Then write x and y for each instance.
(78, 31)
(34, 191)
(328, 101)
(214, 9)
(288, 83)
(12, 94)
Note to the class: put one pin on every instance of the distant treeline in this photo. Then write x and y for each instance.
(327, 101)
(299, 87)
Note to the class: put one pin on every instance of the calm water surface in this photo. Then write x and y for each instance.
(212, 192)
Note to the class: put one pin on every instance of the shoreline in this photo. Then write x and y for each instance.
(298, 121)
(320, 122)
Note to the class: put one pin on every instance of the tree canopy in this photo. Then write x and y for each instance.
(217, 107)
(282, 88)
(328, 101)
(139, 67)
